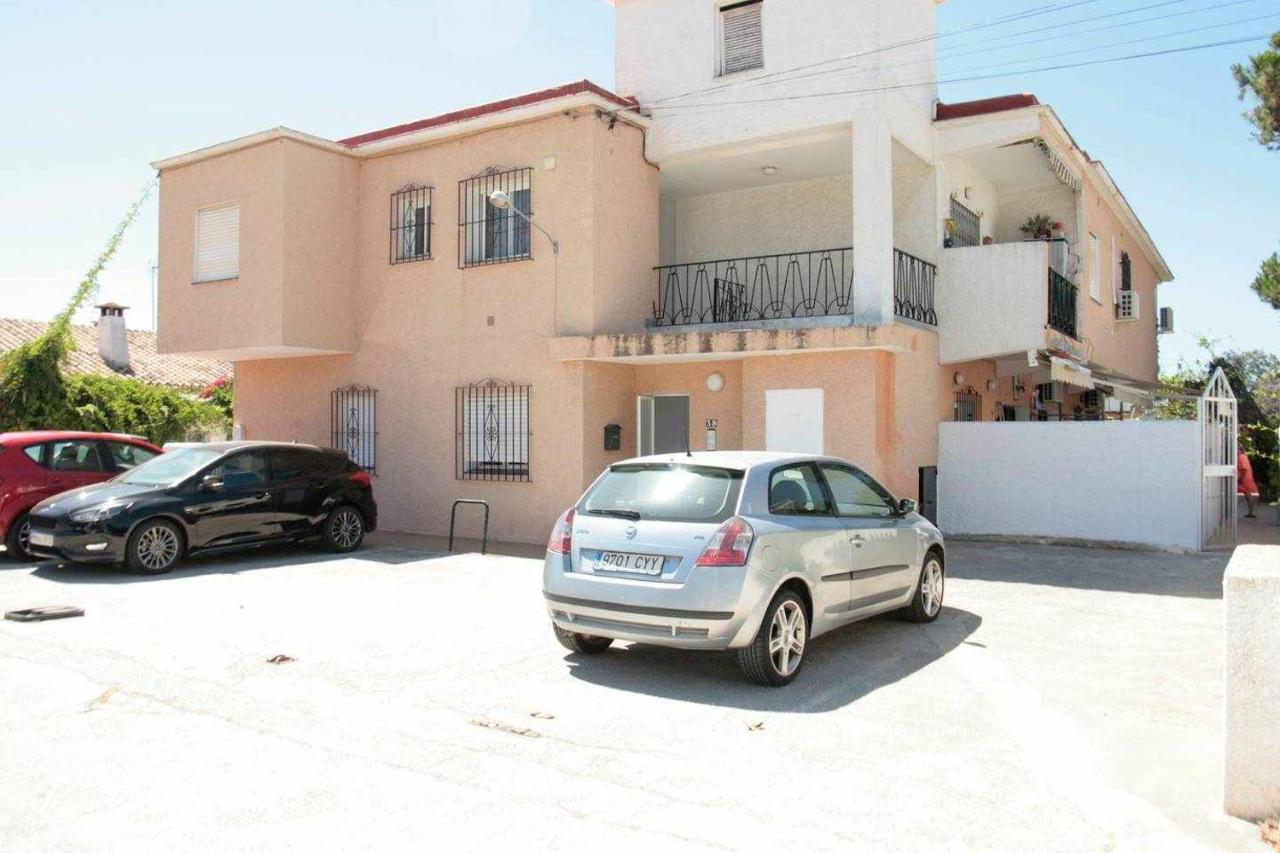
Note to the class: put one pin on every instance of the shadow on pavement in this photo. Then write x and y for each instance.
(1106, 569)
(225, 563)
(843, 666)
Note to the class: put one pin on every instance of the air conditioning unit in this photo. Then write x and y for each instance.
(1165, 325)
(1127, 305)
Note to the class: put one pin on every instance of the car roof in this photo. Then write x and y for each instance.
(31, 436)
(228, 446)
(737, 460)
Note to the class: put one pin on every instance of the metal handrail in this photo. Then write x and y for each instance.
(913, 288)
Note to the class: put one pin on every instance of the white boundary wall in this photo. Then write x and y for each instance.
(1111, 481)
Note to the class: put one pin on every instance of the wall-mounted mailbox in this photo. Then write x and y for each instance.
(612, 437)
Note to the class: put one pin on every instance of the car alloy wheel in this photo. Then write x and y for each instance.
(346, 528)
(787, 637)
(24, 538)
(931, 587)
(157, 547)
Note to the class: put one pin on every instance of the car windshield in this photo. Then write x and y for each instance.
(664, 492)
(169, 469)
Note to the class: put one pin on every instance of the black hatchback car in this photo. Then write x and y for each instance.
(205, 497)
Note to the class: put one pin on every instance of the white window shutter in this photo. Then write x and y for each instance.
(742, 41)
(1095, 268)
(218, 242)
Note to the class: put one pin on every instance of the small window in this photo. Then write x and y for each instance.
(968, 406)
(492, 421)
(1095, 269)
(741, 37)
(126, 456)
(241, 471)
(76, 456)
(34, 452)
(1126, 272)
(856, 494)
(968, 225)
(411, 224)
(797, 491)
(353, 423)
(218, 243)
(490, 234)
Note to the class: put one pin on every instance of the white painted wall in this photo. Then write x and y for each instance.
(992, 300)
(1131, 481)
(793, 217)
(1251, 597)
(668, 47)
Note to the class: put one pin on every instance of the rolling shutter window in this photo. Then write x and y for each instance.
(742, 44)
(218, 242)
(1095, 268)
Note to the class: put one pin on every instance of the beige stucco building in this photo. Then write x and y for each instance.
(839, 277)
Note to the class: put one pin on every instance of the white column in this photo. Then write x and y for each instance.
(872, 215)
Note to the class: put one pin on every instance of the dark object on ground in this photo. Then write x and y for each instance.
(280, 659)
(43, 614)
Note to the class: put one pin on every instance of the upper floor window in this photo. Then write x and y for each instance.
(218, 242)
(1126, 272)
(741, 37)
(411, 224)
(968, 406)
(492, 233)
(1095, 274)
(968, 225)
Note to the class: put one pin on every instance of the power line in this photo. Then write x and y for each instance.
(1055, 36)
(934, 82)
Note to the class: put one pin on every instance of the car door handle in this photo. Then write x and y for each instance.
(857, 541)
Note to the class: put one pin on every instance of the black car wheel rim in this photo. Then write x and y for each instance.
(346, 528)
(24, 538)
(157, 547)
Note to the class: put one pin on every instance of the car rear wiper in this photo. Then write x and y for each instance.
(628, 514)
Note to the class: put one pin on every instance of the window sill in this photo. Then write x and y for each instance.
(226, 280)
(488, 262)
(414, 259)
(744, 74)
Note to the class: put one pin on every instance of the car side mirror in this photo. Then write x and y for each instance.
(906, 506)
(211, 483)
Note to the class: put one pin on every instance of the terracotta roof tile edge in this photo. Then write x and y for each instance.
(985, 106)
(576, 88)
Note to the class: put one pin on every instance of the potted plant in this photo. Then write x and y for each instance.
(1038, 227)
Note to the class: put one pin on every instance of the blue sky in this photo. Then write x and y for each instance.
(93, 92)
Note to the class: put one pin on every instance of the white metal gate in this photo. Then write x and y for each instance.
(1217, 413)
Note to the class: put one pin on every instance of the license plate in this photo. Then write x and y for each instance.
(44, 540)
(635, 564)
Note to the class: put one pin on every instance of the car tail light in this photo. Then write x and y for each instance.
(561, 541)
(730, 545)
(361, 477)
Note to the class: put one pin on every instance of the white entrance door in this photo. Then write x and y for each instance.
(793, 420)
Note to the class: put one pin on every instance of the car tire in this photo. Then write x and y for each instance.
(775, 656)
(154, 547)
(15, 540)
(344, 529)
(583, 644)
(926, 604)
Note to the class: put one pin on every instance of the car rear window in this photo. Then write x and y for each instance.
(665, 492)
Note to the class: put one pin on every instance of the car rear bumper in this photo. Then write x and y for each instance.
(718, 608)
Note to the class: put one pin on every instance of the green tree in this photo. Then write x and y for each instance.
(1267, 283)
(1260, 77)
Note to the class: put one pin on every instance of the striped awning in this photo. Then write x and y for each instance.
(1069, 372)
(1058, 165)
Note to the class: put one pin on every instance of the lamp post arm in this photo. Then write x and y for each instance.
(555, 244)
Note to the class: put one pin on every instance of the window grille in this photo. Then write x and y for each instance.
(741, 37)
(353, 422)
(488, 234)
(1126, 272)
(492, 420)
(968, 225)
(411, 224)
(968, 405)
(217, 243)
(1095, 269)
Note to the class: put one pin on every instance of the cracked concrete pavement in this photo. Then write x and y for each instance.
(1067, 699)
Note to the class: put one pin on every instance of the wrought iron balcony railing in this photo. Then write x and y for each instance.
(1062, 303)
(767, 287)
(784, 286)
(913, 281)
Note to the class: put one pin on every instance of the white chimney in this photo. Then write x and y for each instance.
(113, 342)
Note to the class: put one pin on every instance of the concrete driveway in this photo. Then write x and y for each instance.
(1067, 699)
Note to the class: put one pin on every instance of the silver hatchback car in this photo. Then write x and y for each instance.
(757, 552)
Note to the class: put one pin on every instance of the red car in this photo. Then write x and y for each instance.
(37, 465)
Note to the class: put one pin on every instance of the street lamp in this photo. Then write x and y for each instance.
(502, 201)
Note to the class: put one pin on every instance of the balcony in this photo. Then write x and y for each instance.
(1006, 298)
(787, 286)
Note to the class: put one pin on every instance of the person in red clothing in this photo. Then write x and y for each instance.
(1246, 484)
